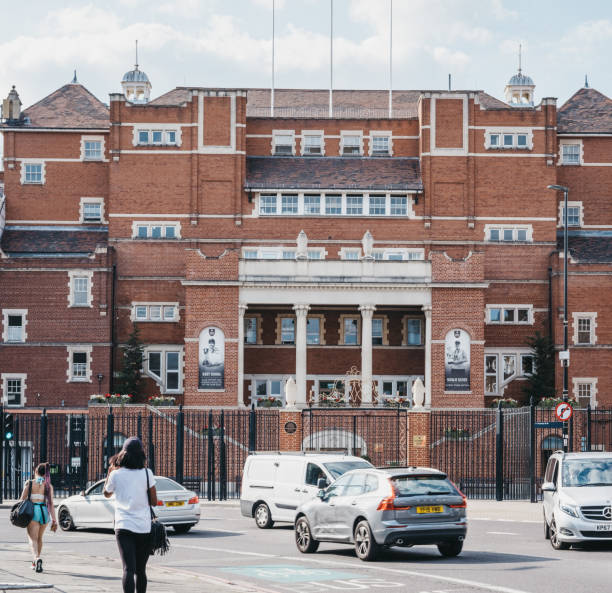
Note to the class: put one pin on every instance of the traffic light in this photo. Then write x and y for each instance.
(9, 426)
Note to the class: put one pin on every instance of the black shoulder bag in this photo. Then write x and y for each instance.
(23, 512)
(158, 538)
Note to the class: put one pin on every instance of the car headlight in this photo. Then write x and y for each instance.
(569, 509)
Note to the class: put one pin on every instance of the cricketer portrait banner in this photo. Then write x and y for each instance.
(211, 359)
(457, 361)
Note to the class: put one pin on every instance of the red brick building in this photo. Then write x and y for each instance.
(393, 240)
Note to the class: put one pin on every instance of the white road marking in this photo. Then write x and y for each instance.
(504, 520)
(486, 586)
(224, 530)
(501, 533)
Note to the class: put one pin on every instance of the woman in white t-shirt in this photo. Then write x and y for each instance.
(127, 480)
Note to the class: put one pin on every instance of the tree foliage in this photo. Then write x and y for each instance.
(541, 383)
(130, 376)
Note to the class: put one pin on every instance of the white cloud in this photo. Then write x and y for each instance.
(446, 56)
(280, 4)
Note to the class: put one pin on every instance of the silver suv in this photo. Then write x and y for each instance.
(577, 493)
(375, 508)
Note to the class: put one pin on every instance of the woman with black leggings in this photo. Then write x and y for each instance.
(127, 480)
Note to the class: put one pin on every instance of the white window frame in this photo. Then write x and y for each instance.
(24, 165)
(269, 196)
(5, 326)
(407, 254)
(313, 195)
(592, 382)
(514, 308)
(294, 196)
(312, 133)
(321, 318)
(405, 320)
(156, 127)
(268, 379)
(508, 131)
(74, 274)
(515, 229)
(350, 253)
(163, 224)
(592, 316)
(501, 383)
(23, 377)
(71, 350)
(148, 318)
(84, 201)
(571, 205)
(258, 329)
(161, 381)
(342, 337)
(352, 133)
(376, 196)
(380, 134)
(279, 329)
(575, 142)
(391, 206)
(276, 134)
(99, 139)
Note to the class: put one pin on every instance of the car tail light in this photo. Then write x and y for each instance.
(193, 500)
(388, 504)
(463, 505)
(160, 503)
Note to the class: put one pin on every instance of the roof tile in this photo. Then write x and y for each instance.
(30, 242)
(587, 111)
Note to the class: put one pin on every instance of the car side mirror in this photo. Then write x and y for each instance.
(322, 483)
(548, 487)
(321, 494)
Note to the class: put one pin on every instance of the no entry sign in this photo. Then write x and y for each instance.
(564, 411)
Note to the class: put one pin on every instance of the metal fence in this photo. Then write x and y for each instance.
(378, 435)
(204, 450)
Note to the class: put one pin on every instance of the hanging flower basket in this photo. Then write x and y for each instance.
(111, 398)
(162, 400)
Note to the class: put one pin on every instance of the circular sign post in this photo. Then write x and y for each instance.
(564, 411)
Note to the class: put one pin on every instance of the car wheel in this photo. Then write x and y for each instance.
(555, 542)
(451, 549)
(65, 520)
(303, 537)
(182, 528)
(263, 519)
(366, 547)
(546, 528)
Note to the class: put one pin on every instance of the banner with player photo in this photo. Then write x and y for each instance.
(457, 361)
(211, 359)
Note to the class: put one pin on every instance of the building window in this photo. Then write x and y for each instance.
(313, 330)
(92, 210)
(350, 254)
(92, 148)
(502, 367)
(378, 205)
(508, 139)
(79, 364)
(333, 204)
(350, 330)
(283, 143)
(491, 374)
(380, 144)
(312, 204)
(80, 294)
(266, 388)
(584, 328)
(350, 144)
(280, 253)
(251, 327)
(267, 204)
(156, 230)
(285, 329)
(312, 143)
(399, 206)
(379, 331)
(289, 204)
(399, 254)
(33, 173)
(354, 204)
(574, 214)
(570, 153)
(157, 137)
(413, 331)
(527, 364)
(510, 314)
(157, 312)
(164, 366)
(585, 391)
(508, 233)
(14, 324)
(13, 389)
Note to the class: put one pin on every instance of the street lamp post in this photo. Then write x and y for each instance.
(564, 356)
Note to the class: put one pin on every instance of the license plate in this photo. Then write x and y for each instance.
(604, 528)
(436, 509)
(175, 503)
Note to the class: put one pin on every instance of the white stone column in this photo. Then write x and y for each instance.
(301, 316)
(427, 312)
(366, 354)
(241, 311)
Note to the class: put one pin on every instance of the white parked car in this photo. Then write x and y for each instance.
(275, 484)
(577, 493)
(176, 506)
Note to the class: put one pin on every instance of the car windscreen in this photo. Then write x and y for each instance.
(422, 486)
(164, 484)
(337, 468)
(587, 472)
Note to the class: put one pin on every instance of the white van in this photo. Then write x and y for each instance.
(275, 484)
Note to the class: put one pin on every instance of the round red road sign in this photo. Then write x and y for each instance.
(564, 411)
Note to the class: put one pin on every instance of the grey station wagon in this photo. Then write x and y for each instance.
(376, 508)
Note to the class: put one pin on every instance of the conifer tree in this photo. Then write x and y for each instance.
(541, 383)
(130, 378)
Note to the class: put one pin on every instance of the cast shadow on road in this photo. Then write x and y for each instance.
(197, 535)
(431, 556)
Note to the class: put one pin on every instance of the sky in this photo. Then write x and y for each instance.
(227, 43)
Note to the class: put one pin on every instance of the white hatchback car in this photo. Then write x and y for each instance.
(176, 506)
(577, 493)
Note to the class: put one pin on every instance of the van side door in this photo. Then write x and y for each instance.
(288, 487)
(548, 498)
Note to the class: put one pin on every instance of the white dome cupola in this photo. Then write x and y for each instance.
(520, 88)
(136, 85)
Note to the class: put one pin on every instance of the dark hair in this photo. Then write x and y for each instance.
(42, 469)
(132, 456)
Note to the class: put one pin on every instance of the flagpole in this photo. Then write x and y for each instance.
(331, 56)
(273, 35)
(390, 58)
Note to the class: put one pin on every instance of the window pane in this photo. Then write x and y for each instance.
(571, 153)
(573, 216)
(93, 150)
(141, 312)
(315, 254)
(399, 205)
(33, 173)
(288, 254)
(92, 211)
(312, 330)
(155, 312)
(169, 312)
(312, 144)
(171, 137)
(81, 291)
(521, 140)
(380, 144)
(289, 204)
(494, 234)
(495, 315)
(508, 234)
(351, 325)
(170, 232)
(267, 204)
(354, 204)
(378, 205)
(261, 388)
(509, 366)
(312, 204)
(394, 256)
(13, 392)
(155, 363)
(508, 139)
(333, 204)
(157, 137)
(287, 330)
(172, 361)
(283, 144)
(526, 364)
(523, 315)
(351, 144)
(172, 380)
(250, 254)
(377, 332)
(142, 232)
(275, 388)
(156, 232)
(584, 330)
(350, 255)
(143, 137)
(521, 235)
(508, 315)
(494, 140)
(414, 332)
(250, 330)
